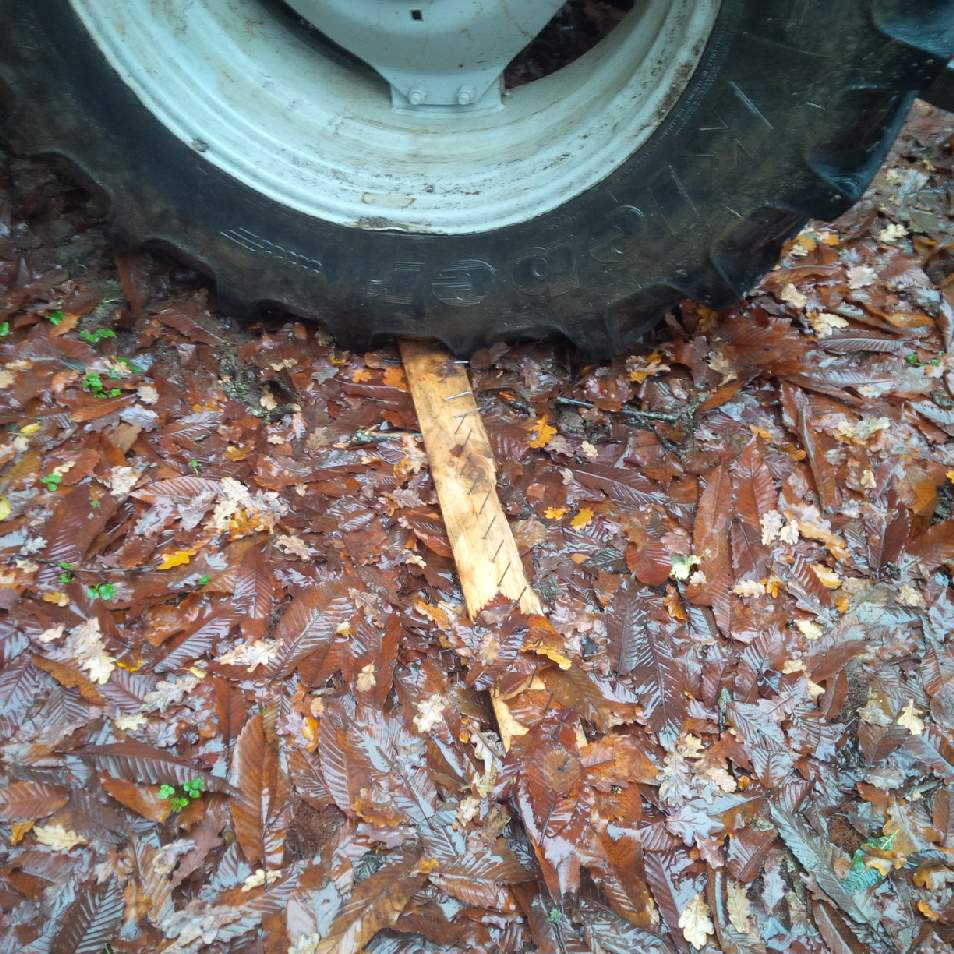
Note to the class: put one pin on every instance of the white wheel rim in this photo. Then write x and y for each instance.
(273, 109)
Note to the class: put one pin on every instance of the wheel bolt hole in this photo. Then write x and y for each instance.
(417, 14)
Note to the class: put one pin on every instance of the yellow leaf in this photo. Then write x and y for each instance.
(673, 603)
(56, 598)
(584, 516)
(542, 433)
(30, 429)
(394, 377)
(18, 830)
(806, 242)
(928, 911)
(828, 238)
(828, 578)
(438, 615)
(642, 368)
(4, 508)
(950, 476)
(362, 375)
(553, 654)
(178, 558)
(555, 513)
(130, 666)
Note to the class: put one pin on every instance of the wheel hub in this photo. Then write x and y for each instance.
(447, 54)
(275, 107)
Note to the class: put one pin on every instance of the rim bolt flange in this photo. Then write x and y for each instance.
(417, 96)
(465, 96)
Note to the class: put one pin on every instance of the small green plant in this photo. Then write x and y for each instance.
(67, 575)
(912, 359)
(554, 916)
(51, 482)
(94, 503)
(191, 790)
(55, 318)
(99, 334)
(93, 383)
(4, 328)
(102, 591)
(204, 580)
(194, 466)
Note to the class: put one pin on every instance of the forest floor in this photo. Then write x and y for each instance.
(242, 708)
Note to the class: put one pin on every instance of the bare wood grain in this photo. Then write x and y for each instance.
(465, 475)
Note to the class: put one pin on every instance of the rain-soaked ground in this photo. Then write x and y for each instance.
(241, 707)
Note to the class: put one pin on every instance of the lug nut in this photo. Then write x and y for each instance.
(417, 96)
(465, 96)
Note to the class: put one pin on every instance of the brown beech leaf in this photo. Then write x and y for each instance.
(69, 533)
(307, 780)
(631, 897)
(837, 934)
(186, 487)
(138, 762)
(23, 801)
(260, 800)
(595, 699)
(645, 647)
(714, 510)
(671, 892)
(817, 445)
(625, 486)
(309, 625)
(92, 921)
(747, 851)
(481, 879)
(20, 682)
(428, 527)
(70, 677)
(374, 766)
(934, 547)
(143, 800)
(754, 486)
(375, 904)
(197, 640)
(650, 562)
(231, 708)
(626, 622)
(554, 812)
(254, 593)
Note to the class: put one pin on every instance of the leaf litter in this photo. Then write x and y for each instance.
(242, 707)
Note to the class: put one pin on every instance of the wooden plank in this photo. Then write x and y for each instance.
(465, 475)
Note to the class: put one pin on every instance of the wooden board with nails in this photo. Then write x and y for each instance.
(464, 473)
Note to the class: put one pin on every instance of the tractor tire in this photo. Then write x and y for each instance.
(787, 115)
